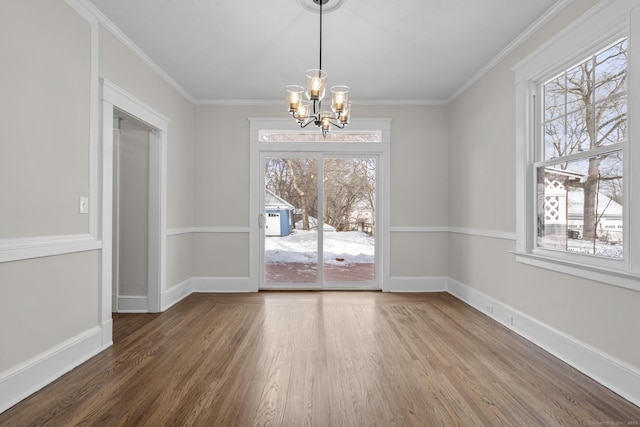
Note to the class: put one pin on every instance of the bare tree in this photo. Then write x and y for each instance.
(349, 187)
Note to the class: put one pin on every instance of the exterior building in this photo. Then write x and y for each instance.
(278, 215)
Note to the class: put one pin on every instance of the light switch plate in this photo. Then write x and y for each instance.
(83, 206)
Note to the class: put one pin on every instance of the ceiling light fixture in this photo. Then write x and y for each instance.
(309, 110)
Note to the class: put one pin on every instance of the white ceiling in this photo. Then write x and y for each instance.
(414, 51)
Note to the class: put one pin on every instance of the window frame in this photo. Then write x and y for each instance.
(600, 27)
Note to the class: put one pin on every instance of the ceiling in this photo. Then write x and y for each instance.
(410, 51)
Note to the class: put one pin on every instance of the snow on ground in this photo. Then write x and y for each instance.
(301, 246)
(599, 248)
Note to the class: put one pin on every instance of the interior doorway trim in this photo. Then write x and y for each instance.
(115, 98)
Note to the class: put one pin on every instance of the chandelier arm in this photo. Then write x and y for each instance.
(337, 124)
(308, 122)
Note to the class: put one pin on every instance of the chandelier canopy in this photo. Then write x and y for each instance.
(307, 108)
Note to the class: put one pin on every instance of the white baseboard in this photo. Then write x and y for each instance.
(132, 304)
(418, 284)
(221, 284)
(175, 294)
(203, 284)
(603, 368)
(30, 376)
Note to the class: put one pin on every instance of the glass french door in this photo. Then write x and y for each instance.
(318, 221)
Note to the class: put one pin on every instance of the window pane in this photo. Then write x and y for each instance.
(349, 214)
(290, 212)
(578, 131)
(554, 139)
(611, 116)
(578, 86)
(554, 100)
(611, 71)
(580, 206)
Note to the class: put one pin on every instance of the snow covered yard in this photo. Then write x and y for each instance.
(354, 247)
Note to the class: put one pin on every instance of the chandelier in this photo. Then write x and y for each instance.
(309, 110)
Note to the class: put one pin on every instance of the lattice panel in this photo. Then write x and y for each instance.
(552, 208)
(553, 184)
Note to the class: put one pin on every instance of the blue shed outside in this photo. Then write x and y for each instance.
(278, 215)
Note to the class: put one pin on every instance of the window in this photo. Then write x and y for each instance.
(580, 175)
(314, 136)
(577, 200)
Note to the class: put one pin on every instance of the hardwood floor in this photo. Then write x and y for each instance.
(320, 359)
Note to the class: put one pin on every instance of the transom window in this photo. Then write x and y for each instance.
(297, 136)
(580, 169)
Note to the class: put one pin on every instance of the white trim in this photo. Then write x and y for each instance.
(600, 20)
(97, 15)
(515, 43)
(419, 229)
(175, 294)
(37, 247)
(30, 376)
(417, 284)
(134, 106)
(358, 102)
(585, 271)
(614, 374)
(493, 234)
(221, 284)
(106, 259)
(190, 230)
(132, 304)
(157, 218)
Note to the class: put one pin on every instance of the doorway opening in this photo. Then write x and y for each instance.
(130, 264)
(292, 241)
(134, 156)
(319, 221)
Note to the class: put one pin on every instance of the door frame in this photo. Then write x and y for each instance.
(258, 149)
(115, 98)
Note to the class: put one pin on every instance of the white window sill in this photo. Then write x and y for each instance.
(622, 279)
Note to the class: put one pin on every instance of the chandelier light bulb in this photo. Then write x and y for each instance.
(304, 111)
(293, 97)
(339, 98)
(316, 80)
(345, 115)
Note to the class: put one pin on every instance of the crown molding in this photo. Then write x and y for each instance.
(88, 10)
(278, 102)
(531, 29)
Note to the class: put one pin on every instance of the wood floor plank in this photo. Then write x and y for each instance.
(320, 359)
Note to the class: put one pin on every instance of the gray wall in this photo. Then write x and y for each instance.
(482, 184)
(44, 169)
